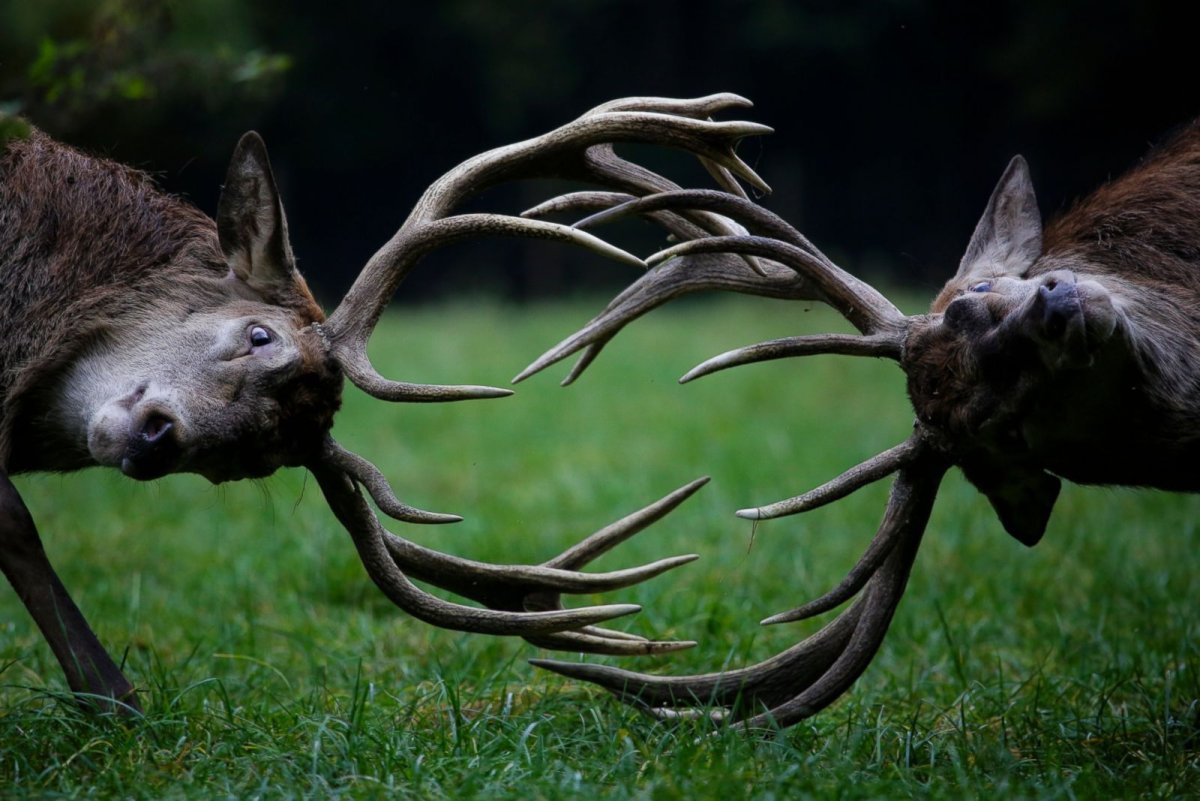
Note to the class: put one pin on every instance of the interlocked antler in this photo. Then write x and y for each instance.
(519, 599)
(812, 674)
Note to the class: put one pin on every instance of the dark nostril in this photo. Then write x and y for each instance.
(1059, 304)
(156, 427)
(154, 450)
(1055, 292)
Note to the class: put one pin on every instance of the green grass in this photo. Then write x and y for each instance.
(272, 668)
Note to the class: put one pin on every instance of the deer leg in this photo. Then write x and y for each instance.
(90, 671)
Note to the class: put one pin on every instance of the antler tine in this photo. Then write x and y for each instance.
(744, 214)
(684, 225)
(881, 545)
(517, 587)
(888, 347)
(657, 286)
(698, 107)
(860, 303)
(573, 202)
(868, 472)
(381, 491)
(879, 603)
(351, 509)
(348, 335)
(520, 599)
(811, 674)
(605, 642)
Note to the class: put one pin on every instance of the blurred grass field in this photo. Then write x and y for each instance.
(272, 668)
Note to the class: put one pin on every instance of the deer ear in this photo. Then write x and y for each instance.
(1008, 237)
(251, 224)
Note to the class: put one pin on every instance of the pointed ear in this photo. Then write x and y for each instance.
(252, 227)
(1008, 237)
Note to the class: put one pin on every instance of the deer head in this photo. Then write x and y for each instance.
(257, 389)
(1038, 342)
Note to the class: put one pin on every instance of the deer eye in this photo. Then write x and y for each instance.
(260, 336)
(982, 286)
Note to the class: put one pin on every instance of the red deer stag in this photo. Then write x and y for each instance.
(140, 334)
(1069, 353)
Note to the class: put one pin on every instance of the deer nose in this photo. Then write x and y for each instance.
(153, 450)
(1059, 303)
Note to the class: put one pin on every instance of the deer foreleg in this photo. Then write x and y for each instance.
(90, 671)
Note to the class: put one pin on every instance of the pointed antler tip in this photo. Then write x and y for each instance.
(669, 647)
(731, 98)
(749, 514)
(774, 620)
(621, 610)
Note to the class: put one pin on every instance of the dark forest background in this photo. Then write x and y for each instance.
(893, 118)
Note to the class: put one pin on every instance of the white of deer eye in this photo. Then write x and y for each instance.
(260, 336)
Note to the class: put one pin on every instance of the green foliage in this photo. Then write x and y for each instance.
(271, 668)
(93, 59)
(11, 127)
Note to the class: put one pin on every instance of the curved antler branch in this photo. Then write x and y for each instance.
(870, 471)
(813, 673)
(348, 328)
(787, 265)
(865, 308)
(884, 346)
(521, 600)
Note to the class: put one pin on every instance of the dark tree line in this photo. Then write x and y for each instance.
(893, 117)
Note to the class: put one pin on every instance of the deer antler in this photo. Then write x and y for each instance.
(793, 269)
(518, 599)
(812, 674)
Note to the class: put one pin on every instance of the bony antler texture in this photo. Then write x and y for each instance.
(766, 256)
(517, 600)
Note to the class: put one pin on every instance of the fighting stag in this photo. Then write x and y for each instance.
(140, 334)
(1071, 352)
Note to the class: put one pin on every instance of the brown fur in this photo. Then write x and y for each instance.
(1131, 414)
(88, 246)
